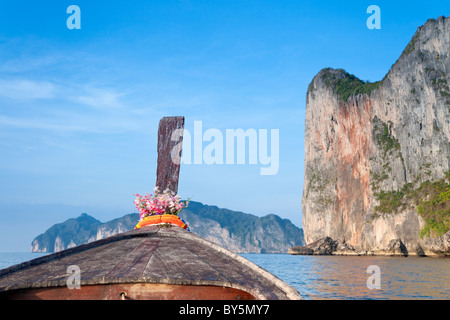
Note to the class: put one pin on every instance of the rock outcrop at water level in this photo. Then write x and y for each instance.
(377, 155)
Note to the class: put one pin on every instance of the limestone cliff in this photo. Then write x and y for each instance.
(242, 232)
(377, 154)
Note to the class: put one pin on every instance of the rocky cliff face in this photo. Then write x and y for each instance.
(82, 229)
(242, 232)
(235, 231)
(377, 154)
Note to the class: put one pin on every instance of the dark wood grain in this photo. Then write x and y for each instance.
(168, 170)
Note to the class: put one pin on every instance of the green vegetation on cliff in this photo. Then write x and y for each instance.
(346, 85)
(393, 201)
(75, 230)
(432, 199)
(383, 137)
(411, 45)
(435, 209)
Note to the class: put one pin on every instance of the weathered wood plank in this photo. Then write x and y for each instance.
(237, 275)
(174, 259)
(135, 262)
(244, 275)
(168, 170)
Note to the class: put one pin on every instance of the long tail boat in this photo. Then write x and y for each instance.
(155, 261)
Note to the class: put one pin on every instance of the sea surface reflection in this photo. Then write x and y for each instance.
(338, 277)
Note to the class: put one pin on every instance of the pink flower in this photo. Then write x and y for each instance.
(166, 202)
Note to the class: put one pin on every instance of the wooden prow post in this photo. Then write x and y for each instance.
(170, 141)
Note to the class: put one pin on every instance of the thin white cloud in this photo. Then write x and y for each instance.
(100, 98)
(28, 123)
(68, 107)
(20, 65)
(68, 96)
(26, 89)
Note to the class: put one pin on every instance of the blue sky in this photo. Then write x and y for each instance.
(79, 109)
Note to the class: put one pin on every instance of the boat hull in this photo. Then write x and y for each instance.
(129, 291)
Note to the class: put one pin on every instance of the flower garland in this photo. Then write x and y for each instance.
(159, 204)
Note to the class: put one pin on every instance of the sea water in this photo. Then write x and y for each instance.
(337, 277)
(349, 277)
(8, 259)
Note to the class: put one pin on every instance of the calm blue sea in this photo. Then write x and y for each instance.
(334, 277)
(338, 277)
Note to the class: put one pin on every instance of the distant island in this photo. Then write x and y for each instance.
(236, 231)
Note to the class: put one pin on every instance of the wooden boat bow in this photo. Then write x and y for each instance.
(152, 262)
